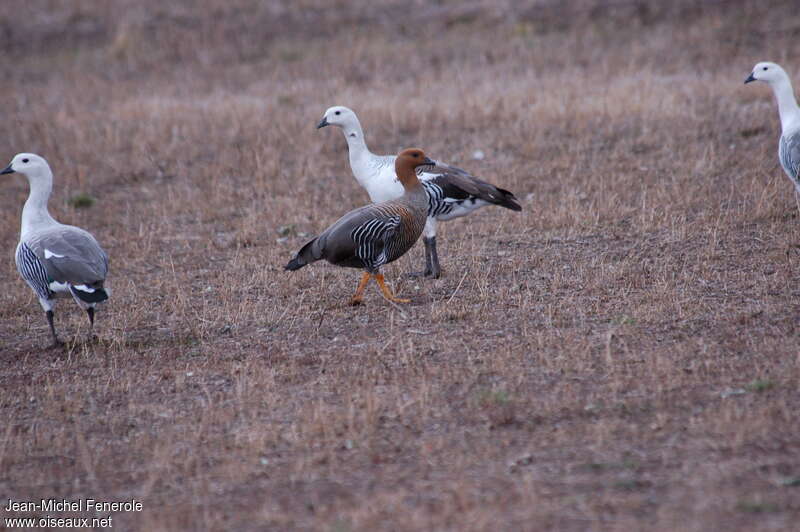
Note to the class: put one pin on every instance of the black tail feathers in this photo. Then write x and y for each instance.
(97, 295)
(294, 264)
(303, 258)
(509, 201)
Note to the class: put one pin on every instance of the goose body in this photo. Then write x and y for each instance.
(451, 192)
(789, 112)
(54, 259)
(370, 236)
(374, 235)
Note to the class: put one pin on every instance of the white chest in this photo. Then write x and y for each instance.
(380, 183)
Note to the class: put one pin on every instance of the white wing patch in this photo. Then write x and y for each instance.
(83, 288)
(55, 286)
(49, 254)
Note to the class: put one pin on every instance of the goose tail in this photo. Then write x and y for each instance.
(508, 200)
(304, 257)
(89, 294)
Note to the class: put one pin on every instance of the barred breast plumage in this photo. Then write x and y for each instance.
(376, 234)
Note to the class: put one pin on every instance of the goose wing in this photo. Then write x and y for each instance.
(69, 255)
(789, 155)
(447, 183)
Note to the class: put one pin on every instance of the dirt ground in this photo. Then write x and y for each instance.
(622, 355)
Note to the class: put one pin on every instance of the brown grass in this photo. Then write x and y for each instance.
(622, 355)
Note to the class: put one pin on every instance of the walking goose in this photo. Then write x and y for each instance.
(56, 260)
(377, 234)
(789, 112)
(451, 191)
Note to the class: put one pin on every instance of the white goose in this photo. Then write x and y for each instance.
(789, 112)
(452, 192)
(56, 260)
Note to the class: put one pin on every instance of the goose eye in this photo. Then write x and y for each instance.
(765, 68)
(24, 160)
(337, 113)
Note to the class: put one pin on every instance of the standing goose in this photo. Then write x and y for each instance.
(56, 260)
(452, 192)
(789, 112)
(377, 234)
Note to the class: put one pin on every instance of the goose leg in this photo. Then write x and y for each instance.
(431, 258)
(362, 284)
(428, 265)
(432, 270)
(90, 312)
(386, 292)
(56, 341)
(427, 271)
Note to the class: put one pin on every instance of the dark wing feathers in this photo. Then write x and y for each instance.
(459, 185)
(441, 168)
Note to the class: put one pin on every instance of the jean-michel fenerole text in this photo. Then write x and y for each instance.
(78, 505)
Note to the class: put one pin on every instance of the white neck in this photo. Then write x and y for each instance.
(357, 148)
(787, 105)
(35, 214)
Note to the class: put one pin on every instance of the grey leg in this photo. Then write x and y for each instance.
(52, 327)
(90, 312)
(428, 259)
(432, 268)
(427, 272)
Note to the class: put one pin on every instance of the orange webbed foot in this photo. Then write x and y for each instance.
(388, 293)
(362, 284)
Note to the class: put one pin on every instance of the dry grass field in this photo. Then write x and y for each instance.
(622, 355)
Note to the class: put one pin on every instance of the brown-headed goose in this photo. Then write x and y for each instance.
(376, 234)
(452, 192)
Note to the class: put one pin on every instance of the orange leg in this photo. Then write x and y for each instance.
(386, 292)
(359, 295)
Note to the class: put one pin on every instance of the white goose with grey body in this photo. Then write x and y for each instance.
(789, 112)
(56, 260)
(452, 192)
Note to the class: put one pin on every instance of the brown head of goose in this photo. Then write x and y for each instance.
(376, 234)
